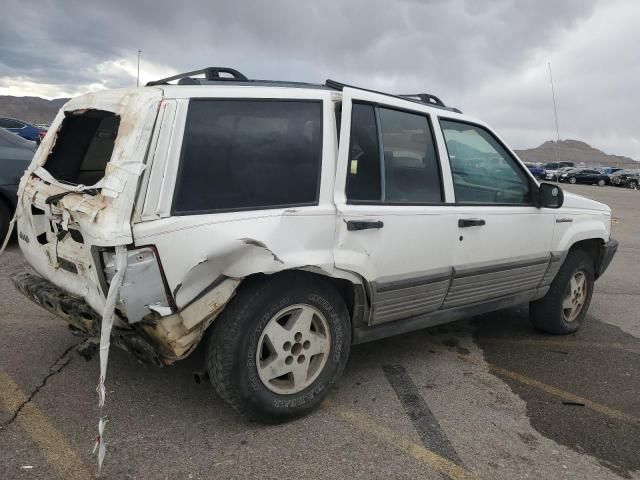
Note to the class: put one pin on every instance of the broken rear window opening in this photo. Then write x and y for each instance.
(83, 147)
(249, 154)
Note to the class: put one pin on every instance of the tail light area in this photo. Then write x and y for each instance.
(144, 290)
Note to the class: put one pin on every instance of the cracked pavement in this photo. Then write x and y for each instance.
(486, 397)
(58, 365)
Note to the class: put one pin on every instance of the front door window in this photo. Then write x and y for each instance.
(483, 171)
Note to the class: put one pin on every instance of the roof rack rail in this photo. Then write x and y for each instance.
(424, 98)
(210, 74)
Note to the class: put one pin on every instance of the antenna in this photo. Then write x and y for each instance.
(555, 112)
(138, 77)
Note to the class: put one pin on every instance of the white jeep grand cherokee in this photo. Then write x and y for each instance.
(284, 222)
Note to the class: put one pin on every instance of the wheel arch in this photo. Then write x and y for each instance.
(593, 247)
(352, 288)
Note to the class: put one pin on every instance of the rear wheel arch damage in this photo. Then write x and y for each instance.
(177, 334)
(353, 294)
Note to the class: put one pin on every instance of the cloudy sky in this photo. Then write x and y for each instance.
(489, 58)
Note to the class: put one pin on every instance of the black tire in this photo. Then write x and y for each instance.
(235, 335)
(5, 219)
(572, 180)
(547, 313)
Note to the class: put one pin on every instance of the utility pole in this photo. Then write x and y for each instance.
(138, 77)
(555, 112)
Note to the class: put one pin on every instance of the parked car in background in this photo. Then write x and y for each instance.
(536, 169)
(15, 155)
(584, 175)
(24, 129)
(625, 178)
(554, 174)
(607, 170)
(557, 165)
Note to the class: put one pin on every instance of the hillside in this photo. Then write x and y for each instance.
(574, 151)
(30, 109)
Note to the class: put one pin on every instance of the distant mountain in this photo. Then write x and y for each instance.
(574, 151)
(30, 109)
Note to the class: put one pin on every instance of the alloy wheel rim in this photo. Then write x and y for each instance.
(575, 296)
(293, 349)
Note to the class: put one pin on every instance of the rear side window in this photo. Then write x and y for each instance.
(411, 170)
(84, 146)
(392, 158)
(363, 176)
(249, 154)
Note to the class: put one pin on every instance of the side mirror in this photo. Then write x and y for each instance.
(550, 196)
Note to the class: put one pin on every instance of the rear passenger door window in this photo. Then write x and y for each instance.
(482, 169)
(249, 154)
(392, 158)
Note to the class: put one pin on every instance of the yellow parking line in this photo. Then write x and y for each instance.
(564, 395)
(364, 423)
(53, 444)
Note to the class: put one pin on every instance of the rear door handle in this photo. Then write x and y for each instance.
(470, 222)
(364, 224)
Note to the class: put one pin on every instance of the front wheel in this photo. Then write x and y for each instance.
(601, 183)
(563, 308)
(279, 346)
(572, 180)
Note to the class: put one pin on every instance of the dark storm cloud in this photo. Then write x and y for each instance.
(472, 53)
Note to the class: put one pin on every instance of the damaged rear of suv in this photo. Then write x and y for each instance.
(283, 222)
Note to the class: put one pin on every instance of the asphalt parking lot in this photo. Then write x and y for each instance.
(486, 397)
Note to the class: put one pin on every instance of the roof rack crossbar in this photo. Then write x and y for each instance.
(425, 98)
(210, 73)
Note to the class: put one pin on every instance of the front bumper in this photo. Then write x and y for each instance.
(81, 318)
(607, 251)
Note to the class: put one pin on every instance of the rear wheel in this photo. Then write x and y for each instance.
(563, 308)
(601, 183)
(572, 179)
(279, 346)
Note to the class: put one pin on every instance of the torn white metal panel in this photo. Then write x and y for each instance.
(142, 286)
(178, 334)
(137, 109)
(238, 244)
(108, 315)
(209, 304)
